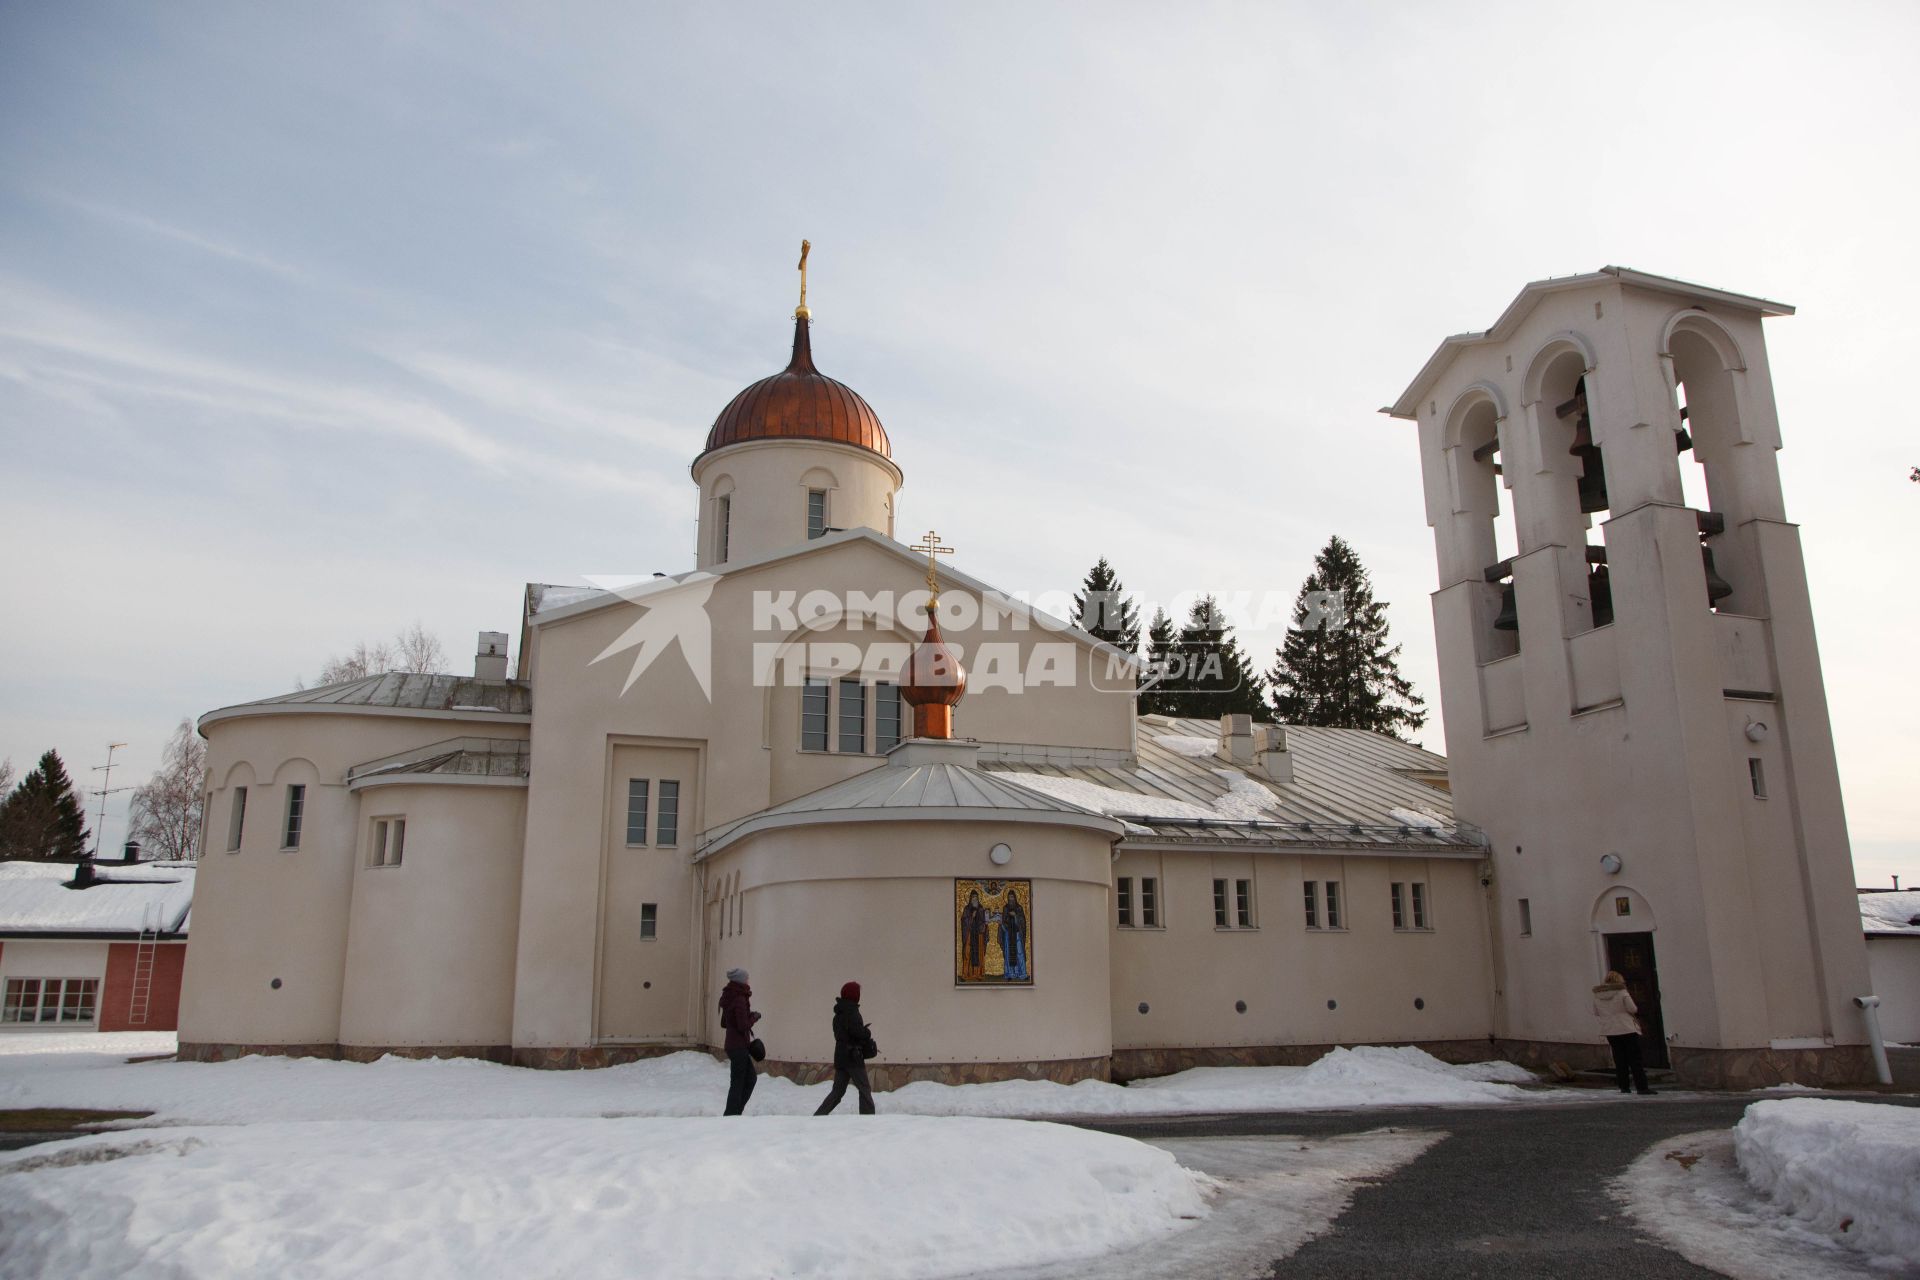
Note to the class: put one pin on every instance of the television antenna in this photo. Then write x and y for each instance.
(105, 790)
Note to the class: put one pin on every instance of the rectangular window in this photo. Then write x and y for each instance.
(886, 716)
(237, 820)
(1243, 902)
(1220, 904)
(389, 842)
(649, 919)
(666, 828)
(636, 811)
(50, 1000)
(1150, 902)
(816, 513)
(724, 514)
(1757, 776)
(1419, 892)
(1526, 918)
(813, 714)
(1313, 904)
(853, 715)
(296, 812)
(1399, 905)
(1333, 904)
(1123, 899)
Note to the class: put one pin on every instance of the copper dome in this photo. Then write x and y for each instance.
(800, 403)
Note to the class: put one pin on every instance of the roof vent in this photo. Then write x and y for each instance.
(1236, 738)
(490, 657)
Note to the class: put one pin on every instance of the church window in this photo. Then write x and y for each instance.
(1123, 896)
(1526, 917)
(813, 714)
(389, 842)
(1419, 892)
(667, 820)
(1313, 904)
(296, 814)
(853, 715)
(886, 716)
(723, 513)
(1150, 902)
(1243, 903)
(237, 819)
(1399, 905)
(1757, 776)
(1333, 904)
(637, 811)
(1219, 904)
(649, 919)
(816, 513)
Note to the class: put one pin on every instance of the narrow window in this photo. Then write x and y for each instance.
(237, 821)
(1419, 892)
(813, 714)
(1219, 904)
(1333, 904)
(1243, 902)
(667, 822)
(853, 715)
(649, 919)
(886, 716)
(1757, 776)
(1526, 918)
(1150, 902)
(296, 811)
(1313, 904)
(636, 811)
(1123, 896)
(389, 842)
(816, 513)
(1399, 906)
(724, 512)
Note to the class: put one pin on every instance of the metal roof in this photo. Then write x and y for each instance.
(399, 691)
(506, 759)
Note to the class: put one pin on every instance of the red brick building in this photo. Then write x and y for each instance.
(92, 947)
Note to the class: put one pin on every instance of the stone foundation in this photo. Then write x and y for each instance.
(891, 1075)
(1142, 1064)
(500, 1053)
(593, 1056)
(1847, 1065)
(201, 1052)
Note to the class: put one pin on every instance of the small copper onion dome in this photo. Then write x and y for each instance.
(800, 403)
(933, 683)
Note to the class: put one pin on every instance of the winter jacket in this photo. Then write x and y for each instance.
(850, 1035)
(1615, 1009)
(737, 1016)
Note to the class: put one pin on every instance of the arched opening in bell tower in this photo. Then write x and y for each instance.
(1573, 480)
(1489, 530)
(1713, 457)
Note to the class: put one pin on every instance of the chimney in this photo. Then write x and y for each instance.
(490, 659)
(1236, 739)
(1275, 760)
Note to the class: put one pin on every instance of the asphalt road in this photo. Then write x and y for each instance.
(1511, 1191)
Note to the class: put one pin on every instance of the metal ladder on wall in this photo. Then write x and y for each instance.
(144, 956)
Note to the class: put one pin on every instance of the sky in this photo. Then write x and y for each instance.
(316, 321)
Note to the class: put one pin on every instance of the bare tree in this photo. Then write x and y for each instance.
(165, 815)
(414, 650)
(418, 650)
(6, 777)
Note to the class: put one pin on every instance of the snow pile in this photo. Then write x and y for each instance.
(1850, 1170)
(1108, 800)
(1418, 819)
(1893, 912)
(1194, 748)
(892, 1196)
(1246, 800)
(694, 1084)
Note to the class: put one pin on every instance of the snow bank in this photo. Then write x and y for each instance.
(1850, 1170)
(887, 1196)
(694, 1084)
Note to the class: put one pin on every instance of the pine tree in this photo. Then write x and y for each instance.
(1214, 676)
(1101, 608)
(1336, 668)
(1154, 699)
(40, 819)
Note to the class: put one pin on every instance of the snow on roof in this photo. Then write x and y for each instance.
(1890, 913)
(34, 898)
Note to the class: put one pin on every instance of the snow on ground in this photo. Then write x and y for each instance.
(891, 1196)
(1687, 1192)
(1847, 1170)
(694, 1084)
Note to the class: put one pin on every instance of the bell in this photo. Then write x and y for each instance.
(1600, 593)
(1508, 619)
(1718, 588)
(1682, 439)
(1593, 480)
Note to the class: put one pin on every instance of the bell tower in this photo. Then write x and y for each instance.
(1634, 707)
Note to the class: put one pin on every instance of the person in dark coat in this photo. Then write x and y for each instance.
(852, 1046)
(736, 1019)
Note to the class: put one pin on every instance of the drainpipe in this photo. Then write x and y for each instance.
(1870, 1005)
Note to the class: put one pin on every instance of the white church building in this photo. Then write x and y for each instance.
(772, 762)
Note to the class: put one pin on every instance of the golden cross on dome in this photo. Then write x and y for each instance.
(806, 246)
(933, 547)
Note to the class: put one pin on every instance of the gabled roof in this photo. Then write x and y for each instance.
(1408, 405)
(35, 899)
(398, 692)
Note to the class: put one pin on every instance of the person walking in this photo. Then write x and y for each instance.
(852, 1046)
(736, 1019)
(1616, 1012)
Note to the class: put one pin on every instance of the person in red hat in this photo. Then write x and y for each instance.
(852, 1046)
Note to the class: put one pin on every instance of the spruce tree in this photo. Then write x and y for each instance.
(41, 819)
(1160, 650)
(1336, 667)
(1215, 676)
(1101, 608)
